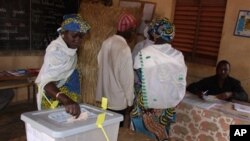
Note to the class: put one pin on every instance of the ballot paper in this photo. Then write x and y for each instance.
(241, 108)
(196, 101)
(62, 116)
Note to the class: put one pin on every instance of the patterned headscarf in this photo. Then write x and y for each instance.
(75, 23)
(126, 21)
(163, 28)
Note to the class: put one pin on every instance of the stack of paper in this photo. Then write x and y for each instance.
(242, 108)
(20, 72)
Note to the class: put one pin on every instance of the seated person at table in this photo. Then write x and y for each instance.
(221, 85)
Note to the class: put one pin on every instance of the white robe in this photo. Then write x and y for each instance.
(165, 73)
(115, 73)
(139, 46)
(59, 63)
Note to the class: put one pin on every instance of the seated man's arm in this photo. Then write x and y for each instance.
(196, 88)
(192, 88)
(225, 96)
(242, 96)
(239, 93)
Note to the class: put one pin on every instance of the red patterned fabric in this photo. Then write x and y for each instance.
(125, 22)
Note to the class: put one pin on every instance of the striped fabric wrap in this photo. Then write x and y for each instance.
(126, 21)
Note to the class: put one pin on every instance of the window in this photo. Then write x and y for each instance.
(199, 26)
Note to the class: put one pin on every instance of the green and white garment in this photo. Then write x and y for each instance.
(163, 75)
(159, 89)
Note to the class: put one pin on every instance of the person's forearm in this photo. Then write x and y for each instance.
(51, 89)
(225, 96)
(240, 96)
(71, 106)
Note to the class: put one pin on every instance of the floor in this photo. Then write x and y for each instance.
(12, 128)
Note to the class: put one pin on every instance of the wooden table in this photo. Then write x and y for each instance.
(8, 81)
(196, 123)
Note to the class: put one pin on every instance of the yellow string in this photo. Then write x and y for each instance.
(101, 117)
(54, 104)
(105, 134)
(99, 123)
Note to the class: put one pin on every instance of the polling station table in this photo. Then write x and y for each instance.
(8, 81)
(199, 120)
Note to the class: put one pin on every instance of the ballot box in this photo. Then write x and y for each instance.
(57, 125)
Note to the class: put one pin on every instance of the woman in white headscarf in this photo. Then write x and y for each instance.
(58, 80)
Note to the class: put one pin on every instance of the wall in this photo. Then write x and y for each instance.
(18, 62)
(163, 7)
(233, 48)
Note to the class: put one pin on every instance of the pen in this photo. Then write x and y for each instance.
(205, 92)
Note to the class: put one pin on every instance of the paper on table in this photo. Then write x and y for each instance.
(241, 108)
(194, 100)
(214, 99)
(17, 72)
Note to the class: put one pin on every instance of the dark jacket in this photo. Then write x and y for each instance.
(211, 85)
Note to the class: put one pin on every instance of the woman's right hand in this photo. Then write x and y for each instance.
(200, 95)
(70, 106)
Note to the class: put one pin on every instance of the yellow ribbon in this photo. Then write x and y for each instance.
(101, 117)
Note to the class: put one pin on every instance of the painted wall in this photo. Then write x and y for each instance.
(233, 48)
(236, 49)
(163, 7)
(18, 62)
